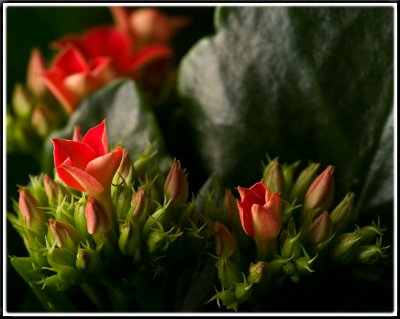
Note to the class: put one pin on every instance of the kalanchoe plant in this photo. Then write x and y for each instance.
(114, 229)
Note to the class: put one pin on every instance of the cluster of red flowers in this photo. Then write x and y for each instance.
(138, 39)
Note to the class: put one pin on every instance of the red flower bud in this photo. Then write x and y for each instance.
(320, 229)
(224, 241)
(320, 194)
(63, 233)
(36, 66)
(273, 177)
(30, 210)
(97, 218)
(176, 185)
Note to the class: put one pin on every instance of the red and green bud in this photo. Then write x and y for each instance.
(320, 229)
(125, 170)
(129, 239)
(273, 177)
(138, 207)
(258, 273)
(31, 211)
(88, 261)
(64, 235)
(224, 241)
(343, 213)
(302, 182)
(55, 192)
(176, 187)
(320, 194)
(98, 220)
(229, 207)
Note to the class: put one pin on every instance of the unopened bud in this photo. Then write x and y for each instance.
(42, 120)
(344, 248)
(320, 229)
(123, 196)
(78, 135)
(343, 213)
(125, 171)
(31, 211)
(80, 218)
(320, 194)
(229, 207)
(138, 207)
(258, 272)
(129, 239)
(273, 177)
(303, 266)
(176, 185)
(243, 292)
(21, 102)
(370, 254)
(64, 234)
(302, 182)
(53, 190)
(97, 219)
(228, 273)
(89, 261)
(224, 241)
(288, 172)
(36, 66)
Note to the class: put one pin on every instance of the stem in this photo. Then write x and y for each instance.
(266, 249)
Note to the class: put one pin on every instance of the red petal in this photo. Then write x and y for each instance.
(108, 42)
(69, 61)
(89, 183)
(80, 154)
(245, 218)
(260, 190)
(103, 168)
(275, 204)
(66, 177)
(266, 225)
(149, 55)
(97, 139)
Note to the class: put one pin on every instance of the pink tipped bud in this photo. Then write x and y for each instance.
(229, 206)
(320, 194)
(63, 233)
(176, 186)
(224, 241)
(78, 135)
(35, 68)
(97, 218)
(320, 229)
(53, 191)
(30, 210)
(125, 171)
(139, 205)
(302, 182)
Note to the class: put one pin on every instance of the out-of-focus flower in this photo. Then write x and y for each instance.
(36, 66)
(147, 25)
(87, 165)
(71, 77)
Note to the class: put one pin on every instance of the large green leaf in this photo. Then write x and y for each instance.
(309, 83)
(130, 122)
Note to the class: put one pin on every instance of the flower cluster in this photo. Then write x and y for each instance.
(137, 46)
(109, 227)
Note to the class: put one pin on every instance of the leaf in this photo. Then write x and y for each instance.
(51, 300)
(130, 122)
(298, 83)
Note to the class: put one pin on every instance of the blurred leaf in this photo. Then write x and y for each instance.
(51, 300)
(130, 122)
(299, 83)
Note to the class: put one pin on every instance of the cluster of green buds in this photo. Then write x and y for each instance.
(296, 230)
(144, 225)
(34, 113)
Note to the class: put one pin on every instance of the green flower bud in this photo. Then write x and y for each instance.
(319, 195)
(66, 277)
(224, 241)
(243, 292)
(229, 300)
(288, 172)
(176, 185)
(303, 265)
(302, 182)
(320, 229)
(273, 177)
(258, 272)
(42, 120)
(22, 102)
(129, 239)
(123, 196)
(370, 254)
(65, 235)
(343, 213)
(291, 247)
(88, 261)
(289, 268)
(158, 240)
(344, 247)
(80, 218)
(228, 273)
(54, 191)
